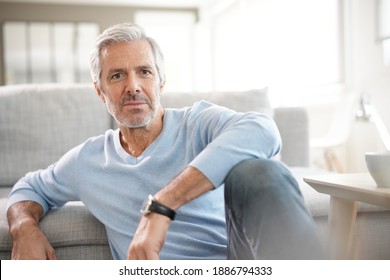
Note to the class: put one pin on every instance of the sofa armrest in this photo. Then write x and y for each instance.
(293, 124)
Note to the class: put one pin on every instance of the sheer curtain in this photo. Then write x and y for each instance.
(42, 52)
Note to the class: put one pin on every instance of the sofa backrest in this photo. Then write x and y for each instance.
(240, 101)
(39, 123)
(293, 124)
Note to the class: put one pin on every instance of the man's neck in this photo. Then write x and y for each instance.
(136, 140)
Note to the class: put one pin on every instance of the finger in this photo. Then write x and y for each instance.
(136, 253)
(51, 254)
(152, 256)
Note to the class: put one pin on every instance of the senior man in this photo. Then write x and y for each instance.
(204, 173)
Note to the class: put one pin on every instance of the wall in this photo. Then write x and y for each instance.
(368, 73)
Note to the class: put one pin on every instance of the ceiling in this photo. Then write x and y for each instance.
(149, 3)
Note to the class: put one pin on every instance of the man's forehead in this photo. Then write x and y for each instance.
(138, 52)
(139, 46)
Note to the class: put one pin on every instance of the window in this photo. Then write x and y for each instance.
(39, 52)
(292, 47)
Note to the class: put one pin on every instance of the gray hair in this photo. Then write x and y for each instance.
(122, 33)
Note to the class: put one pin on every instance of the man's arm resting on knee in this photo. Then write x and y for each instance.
(29, 242)
(152, 230)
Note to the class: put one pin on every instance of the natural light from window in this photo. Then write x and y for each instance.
(289, 46)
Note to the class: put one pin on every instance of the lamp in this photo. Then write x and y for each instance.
(367, 112)
(353, 109)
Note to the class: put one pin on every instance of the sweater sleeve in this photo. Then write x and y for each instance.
(51, 187)
(230, 138)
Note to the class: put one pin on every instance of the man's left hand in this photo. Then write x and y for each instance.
(149, 237)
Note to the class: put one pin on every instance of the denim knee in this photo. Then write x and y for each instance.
(260, 174)
(265, 213)
(260, 186)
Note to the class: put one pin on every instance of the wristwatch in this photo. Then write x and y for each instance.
(152, 206)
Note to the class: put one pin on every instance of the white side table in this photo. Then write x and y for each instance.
(345, 190)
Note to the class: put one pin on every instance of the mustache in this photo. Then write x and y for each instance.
(135, 97)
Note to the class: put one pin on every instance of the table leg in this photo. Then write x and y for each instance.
(342, 217)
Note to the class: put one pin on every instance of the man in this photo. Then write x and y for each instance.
(188, 164)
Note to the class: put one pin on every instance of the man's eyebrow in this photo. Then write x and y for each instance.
(145, 66)
(138, 68)
(114, 70)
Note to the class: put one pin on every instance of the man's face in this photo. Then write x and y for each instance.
(130, 85)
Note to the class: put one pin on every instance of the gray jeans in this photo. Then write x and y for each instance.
(266, 216)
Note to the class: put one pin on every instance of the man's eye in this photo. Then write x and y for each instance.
(145, 72)
(116, 76)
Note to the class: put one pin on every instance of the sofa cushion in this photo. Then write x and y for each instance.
(40, 115)
(240, 101)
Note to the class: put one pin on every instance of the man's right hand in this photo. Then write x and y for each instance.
(29, 242)
(32, 245)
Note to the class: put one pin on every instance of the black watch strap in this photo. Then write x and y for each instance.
(152, 206)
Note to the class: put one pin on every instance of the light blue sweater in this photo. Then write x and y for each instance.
(114, 184)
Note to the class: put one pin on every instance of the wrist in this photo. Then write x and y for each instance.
(23, 217)
(24, 226)
(151, 205)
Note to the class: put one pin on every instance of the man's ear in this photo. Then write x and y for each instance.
(162, 85)
(99, 92)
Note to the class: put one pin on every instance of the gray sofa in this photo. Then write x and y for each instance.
(38, 123)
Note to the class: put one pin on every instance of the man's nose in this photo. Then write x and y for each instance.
(133, 84)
